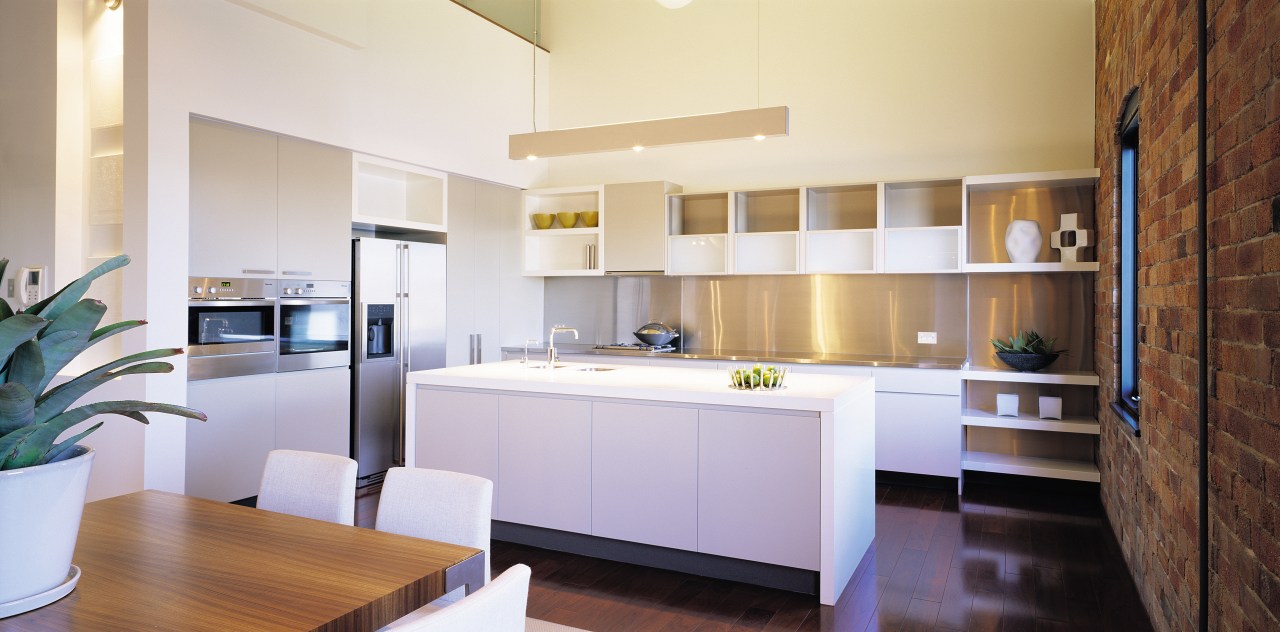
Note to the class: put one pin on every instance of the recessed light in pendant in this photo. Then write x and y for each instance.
(674, 4)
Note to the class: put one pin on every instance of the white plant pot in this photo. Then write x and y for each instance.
(40, 510)
(1007, 404)
(1022, 240)
(1050, 407)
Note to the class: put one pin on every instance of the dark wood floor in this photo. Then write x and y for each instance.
(995, 559)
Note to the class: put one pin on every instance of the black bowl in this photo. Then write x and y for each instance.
(657, 339)
(1026, 361)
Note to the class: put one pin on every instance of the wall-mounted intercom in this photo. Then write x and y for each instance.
(35, 285)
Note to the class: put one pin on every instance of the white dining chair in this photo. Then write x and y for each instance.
(437, 505)
(497, 607)
(309, 484)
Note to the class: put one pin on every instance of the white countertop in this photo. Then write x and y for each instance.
(804, 391)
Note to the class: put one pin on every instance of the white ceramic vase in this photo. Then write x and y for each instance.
(40, 510)
(1022, 240)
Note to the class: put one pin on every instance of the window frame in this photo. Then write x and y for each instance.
(1128, 402)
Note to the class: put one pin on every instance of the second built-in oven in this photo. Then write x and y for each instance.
(315, 324)
(231, 327)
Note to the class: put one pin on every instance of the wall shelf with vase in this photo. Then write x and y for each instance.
(1060, 203)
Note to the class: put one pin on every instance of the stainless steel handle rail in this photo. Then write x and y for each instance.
(296, 272)
(253, 271)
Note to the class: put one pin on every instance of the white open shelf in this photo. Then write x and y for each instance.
(697, 254)
(989, 374)
(766, 253)
(1073, 424)
(922, 249)
(1050, 266)
(396, 194)
(840, 251)
(573, 252)
(1029, 466)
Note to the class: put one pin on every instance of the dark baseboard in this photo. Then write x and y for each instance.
(714, 566)
(884, 477)
(1030, 483)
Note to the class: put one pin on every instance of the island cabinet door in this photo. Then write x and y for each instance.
(644, 474)
(759, 487)
(544, 462)
(458, 432)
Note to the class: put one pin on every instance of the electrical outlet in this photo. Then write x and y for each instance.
(927, 337)
(10, 288)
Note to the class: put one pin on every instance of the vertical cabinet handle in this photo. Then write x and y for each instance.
(479, 349)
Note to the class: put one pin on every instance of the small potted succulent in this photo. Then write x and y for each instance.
(1027, 351)
(43, 480)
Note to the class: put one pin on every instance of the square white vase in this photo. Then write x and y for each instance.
(1007, 404)
(1050, 407)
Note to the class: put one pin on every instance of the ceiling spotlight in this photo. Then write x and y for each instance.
(531, 157)
(674, 4)
(113, 4)
(759, 137)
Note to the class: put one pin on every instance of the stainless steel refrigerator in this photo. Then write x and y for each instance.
(399, 327)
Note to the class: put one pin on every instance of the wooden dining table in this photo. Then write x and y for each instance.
(160, 561)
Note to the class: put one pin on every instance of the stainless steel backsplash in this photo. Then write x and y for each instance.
(854, 314)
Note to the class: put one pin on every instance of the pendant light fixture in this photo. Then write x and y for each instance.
(758, 123)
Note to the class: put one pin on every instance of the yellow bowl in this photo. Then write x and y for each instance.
(543, 220)
(591, 219)
(567, 218)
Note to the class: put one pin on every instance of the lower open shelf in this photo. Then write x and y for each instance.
(1024, 421)
(1029, 466)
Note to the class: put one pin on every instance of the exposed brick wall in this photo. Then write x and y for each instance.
(1149, 482)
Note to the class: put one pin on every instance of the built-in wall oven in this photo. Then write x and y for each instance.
(315, 324)
(231, 327)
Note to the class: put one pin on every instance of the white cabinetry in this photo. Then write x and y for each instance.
(486, 294)
(767, 231)
(396, 194)
(644, 474)
(544, 462)
(923, 226)
(458, 432)
(314, 223)
(268, 206)
(841, 233)
(759, 487)
(635, 228)
(313, 410)
(226, 454)
(233, 201)
(992, 202)
(698, 229)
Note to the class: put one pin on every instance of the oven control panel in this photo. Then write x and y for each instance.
(315, 289)
(212, 289)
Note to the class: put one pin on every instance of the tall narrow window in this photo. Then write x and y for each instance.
(1129, 396)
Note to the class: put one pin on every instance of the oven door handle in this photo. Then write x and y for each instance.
(315, 301)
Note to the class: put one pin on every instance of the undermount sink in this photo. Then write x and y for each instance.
(595, 368)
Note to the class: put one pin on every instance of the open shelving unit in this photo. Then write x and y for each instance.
(698, 230)
(563, 250)
(397, 195)
(991, 202)
(842, 229)
(767, 236)
(923, 226)
(1026, 444)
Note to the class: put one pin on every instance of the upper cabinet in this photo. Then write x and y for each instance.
(923, 226)
(766, 238)
(698, 229)
(635, 229)
(313, 214)
(396, 194)
(842, 229)
(562, 231)
(267, 206)
(233, 201)
(1018, 216)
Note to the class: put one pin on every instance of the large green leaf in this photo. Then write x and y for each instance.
(108, 367)
(27, 367)
(32, 447)
(57, 403)
(8, 441)
(61, 301)
(58, 350)
(17, 407)
(17, 330)
(107, 331)
(83, 316)
(5, 310)
(63, 449)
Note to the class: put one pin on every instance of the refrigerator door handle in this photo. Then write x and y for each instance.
(479, 349)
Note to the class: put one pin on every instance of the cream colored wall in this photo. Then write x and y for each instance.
(878, 89)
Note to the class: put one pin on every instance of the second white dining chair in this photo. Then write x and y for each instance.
(437, 505)
(309, 484)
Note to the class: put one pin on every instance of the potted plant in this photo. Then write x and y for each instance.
(1027, 351)
(43, 480)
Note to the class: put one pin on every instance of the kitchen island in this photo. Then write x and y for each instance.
(663, 466)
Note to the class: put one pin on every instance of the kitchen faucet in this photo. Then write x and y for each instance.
(551, 343)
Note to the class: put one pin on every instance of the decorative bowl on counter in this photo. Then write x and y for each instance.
(1027, 361)
(568, 218)
(591, 219)
(757, 378)
(543, 220)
